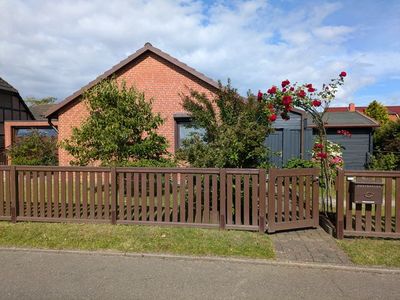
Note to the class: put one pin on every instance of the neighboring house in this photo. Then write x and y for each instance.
(40, 111)
(12, 108)
(295, 138)
(393, 111)
(152, 71)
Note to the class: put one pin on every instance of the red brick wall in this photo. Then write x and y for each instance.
(159, 80)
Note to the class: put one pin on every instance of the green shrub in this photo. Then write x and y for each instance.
(385, 162)
(297, 163)
(34, 149)
(151, 163)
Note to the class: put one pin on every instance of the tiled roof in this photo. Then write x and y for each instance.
(347, 119)
(40, 111)
(4, 85)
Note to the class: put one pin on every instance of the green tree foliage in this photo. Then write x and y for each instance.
(387, 146)
(33, 101)
(235, 129)
(121, 128)
(378, 112)
(298, 163)
(34, 149)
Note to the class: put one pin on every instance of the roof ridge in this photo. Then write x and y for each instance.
(123, 63)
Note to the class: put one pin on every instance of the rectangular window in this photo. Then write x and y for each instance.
(184, 130)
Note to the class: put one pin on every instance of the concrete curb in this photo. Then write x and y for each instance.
(379, 270)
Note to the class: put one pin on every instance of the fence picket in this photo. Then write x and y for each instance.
(254, 199)
(206, 213)
(159, 198)
(229, 190)
(182, 200)
(168, 198)
(56, 185)
(388, 204)
(84, 195)
(190, 198)
(198, 199)
(129, 196)
(151, 197)
(238, 199)
(397, 205)
(175, 198)
(78, 194)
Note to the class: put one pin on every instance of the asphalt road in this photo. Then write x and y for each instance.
(49, 275)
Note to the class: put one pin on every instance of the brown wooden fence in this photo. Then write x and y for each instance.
(225, 198)
(365, 219)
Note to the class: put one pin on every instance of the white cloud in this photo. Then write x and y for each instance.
(54, 48)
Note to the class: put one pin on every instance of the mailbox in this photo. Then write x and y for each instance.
(366, 192)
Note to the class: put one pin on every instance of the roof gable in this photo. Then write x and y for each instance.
(147, 48)
(5, 86)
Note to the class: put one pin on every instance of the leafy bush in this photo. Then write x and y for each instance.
(298, 163)
(385, 162)
(234, 130)
(151, 163)
(121, 127)
(34, 149)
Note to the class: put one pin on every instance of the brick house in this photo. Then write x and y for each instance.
(152, 71)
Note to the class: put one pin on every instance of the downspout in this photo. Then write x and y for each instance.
(52, 125)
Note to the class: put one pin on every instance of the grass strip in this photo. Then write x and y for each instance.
(136, 238)
(368, 251)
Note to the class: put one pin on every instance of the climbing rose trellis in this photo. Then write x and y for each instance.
(280, 100)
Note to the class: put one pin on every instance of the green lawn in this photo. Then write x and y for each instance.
(135, 238)
(372, 251)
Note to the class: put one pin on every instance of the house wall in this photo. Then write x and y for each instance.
(11, 108)
(286, 141)
(357, 148)
(159, 80)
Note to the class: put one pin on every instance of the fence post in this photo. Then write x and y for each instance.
(13, 194)
(315, 201)
(339, 204)
(264, 199)
(222, 198)
(113, 195)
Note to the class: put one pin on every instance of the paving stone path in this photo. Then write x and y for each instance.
(311, 245)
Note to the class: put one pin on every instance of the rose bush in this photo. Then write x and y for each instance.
(306, 97)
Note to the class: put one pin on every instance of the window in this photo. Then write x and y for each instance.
(183, 130)
(47, 131)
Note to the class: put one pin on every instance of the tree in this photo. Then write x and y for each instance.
(34, 149)
(378, 112)
(121, 128)
(387, 146)
(33, 101)
(235, 129)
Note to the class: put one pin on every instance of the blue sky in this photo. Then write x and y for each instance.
(52, 48)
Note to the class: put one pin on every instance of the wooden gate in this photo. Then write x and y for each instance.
(293, 199)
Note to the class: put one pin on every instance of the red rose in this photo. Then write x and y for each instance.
(322, 155)
(283, 90)
(311, 90)
(259, 96)
(285, 83)
(291, 89)
(272, 90)
(316, 103)
(270, 106)
(301, 94)
(319, 146)
(343, 74)
(272, 118)
(309, 86)
(287, 100)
